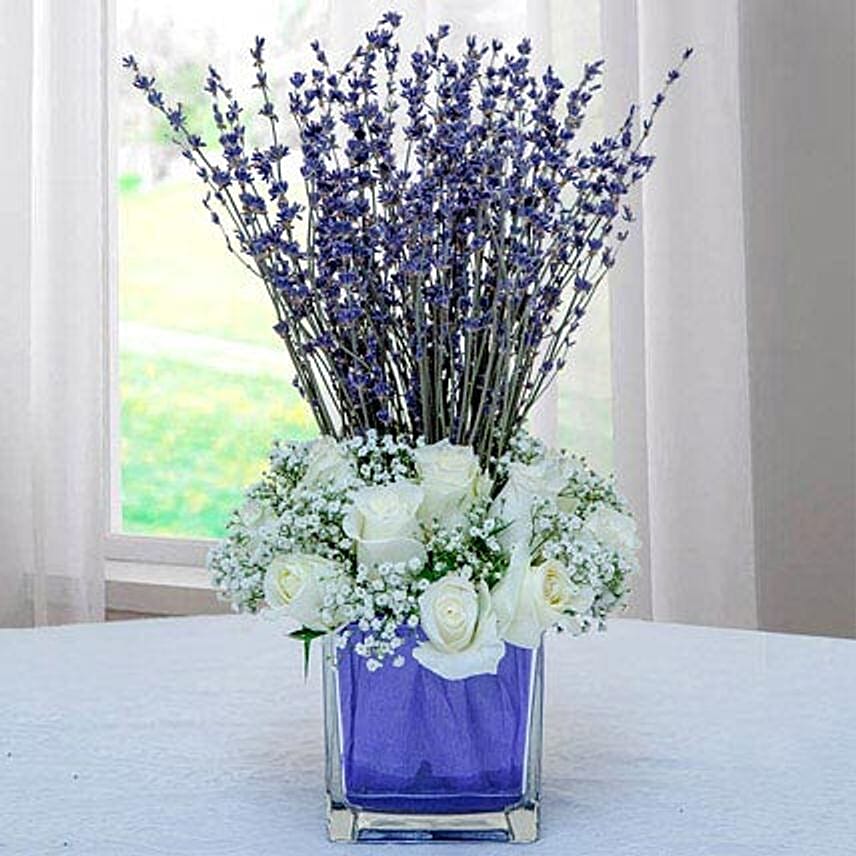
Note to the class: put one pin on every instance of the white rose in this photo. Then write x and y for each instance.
(382, 520)
(560, 594)
(254, 513)
(532, 598)
(326, 462)
(527, 483)
(452, 481)
(260, 523)
(293, 587)
(616, 531)
(461, 629)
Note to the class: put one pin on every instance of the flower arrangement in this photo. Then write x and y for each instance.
(390, 540)
(453, 236)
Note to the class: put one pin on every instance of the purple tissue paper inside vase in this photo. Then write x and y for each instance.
(415, 742)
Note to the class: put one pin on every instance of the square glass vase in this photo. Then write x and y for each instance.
(411, 756)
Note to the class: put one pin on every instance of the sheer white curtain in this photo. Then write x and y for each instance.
(679, 335)
(733, 313)
(51, 316)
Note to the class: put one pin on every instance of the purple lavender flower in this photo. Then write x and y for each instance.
(455, 234)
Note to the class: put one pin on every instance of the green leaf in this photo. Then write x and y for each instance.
(306, 635)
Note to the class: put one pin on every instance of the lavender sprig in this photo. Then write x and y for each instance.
(454, 237)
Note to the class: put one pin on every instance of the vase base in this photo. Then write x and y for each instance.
(518, 825)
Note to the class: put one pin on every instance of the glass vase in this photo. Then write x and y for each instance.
(413, 756)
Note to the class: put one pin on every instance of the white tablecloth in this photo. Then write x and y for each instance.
(199, 736)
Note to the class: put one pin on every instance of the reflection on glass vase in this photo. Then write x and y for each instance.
(413, 756)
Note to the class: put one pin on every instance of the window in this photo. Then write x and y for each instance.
(584, 392)
(203, 382)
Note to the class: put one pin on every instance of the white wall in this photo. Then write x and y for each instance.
(799, 199)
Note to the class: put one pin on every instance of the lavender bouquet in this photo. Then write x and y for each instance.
(428, 291)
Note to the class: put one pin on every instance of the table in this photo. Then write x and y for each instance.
(200, 736)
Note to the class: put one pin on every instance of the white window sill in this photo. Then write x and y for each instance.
(140, 588)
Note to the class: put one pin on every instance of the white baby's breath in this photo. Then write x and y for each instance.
(369, 549)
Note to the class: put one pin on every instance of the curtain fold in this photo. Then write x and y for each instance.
(619, 36)
(52, 325)
(16, 526)
(699, 426)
